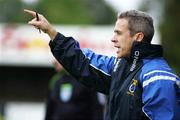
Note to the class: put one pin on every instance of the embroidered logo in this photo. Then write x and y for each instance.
(132, 87)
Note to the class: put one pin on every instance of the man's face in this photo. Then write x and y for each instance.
(122, 39)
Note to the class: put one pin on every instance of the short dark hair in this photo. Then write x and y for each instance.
(139, 22)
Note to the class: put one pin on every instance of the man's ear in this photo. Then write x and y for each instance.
(139, 36)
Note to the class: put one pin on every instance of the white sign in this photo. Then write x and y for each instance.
(24, 45)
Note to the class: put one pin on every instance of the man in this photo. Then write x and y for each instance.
(70, 100)
(139, 83)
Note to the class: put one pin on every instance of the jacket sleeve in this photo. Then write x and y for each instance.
(161, 95)
(91, 69)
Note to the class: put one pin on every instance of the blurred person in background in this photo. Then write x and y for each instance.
(139, 83)
(70, 100)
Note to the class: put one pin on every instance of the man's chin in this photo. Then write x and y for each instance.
(119, 56)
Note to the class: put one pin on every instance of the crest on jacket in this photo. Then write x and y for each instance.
(65, 92)
(132, 87)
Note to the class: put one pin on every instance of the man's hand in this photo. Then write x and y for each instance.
(42, 24)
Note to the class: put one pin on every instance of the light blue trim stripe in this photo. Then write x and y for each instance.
(100, 70)
(158, 77)
(158, 71)
(101, 63)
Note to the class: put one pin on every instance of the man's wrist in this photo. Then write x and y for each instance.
(52, 33)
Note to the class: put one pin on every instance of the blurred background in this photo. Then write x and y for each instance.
(25, 58)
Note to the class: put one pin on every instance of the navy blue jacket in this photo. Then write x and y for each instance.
(142, 86)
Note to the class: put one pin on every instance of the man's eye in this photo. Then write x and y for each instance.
(118, 33)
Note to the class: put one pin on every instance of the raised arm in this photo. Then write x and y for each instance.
(90, 69)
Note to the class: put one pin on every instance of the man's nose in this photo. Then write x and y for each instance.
(113, 39)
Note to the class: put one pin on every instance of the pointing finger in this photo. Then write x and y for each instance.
(33, 13)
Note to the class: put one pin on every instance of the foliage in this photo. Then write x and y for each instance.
(170, 33)
(11, 11)
(77, 11)
(60, 11)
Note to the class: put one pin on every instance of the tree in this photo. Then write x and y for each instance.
(59, 11)
(77, 11)
(170, 28)
(11, 11)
